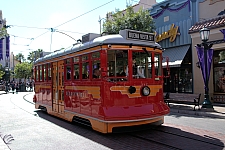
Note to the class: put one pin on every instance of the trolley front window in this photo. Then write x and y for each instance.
(142, 64)
(116, 65)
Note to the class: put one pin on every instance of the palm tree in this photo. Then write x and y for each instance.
(34, 55)
(20, 57)
(31, 57)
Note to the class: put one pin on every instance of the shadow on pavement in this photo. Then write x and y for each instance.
(155, 137)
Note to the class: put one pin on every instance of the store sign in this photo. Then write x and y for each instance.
(140, 36)
(171, 33)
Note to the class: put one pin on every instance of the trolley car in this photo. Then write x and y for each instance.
(66, 85)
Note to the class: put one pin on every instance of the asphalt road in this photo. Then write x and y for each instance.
(35, 130)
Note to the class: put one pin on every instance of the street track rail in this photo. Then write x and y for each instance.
(172, 140)
(163, 145)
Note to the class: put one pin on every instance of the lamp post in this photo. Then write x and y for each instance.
(204, 34)
(100, 23)
(7, 71)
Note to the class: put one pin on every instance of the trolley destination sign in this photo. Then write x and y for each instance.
(140, 36)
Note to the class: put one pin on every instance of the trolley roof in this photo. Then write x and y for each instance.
(125, 37)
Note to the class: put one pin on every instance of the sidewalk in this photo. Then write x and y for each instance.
(218, 110)
(2, 92)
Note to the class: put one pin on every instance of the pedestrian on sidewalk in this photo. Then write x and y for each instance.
(17, 88)
(13, 87)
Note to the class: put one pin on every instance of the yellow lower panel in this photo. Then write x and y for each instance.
(99, 125)
(107, 127)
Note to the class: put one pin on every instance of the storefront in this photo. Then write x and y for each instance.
(217, 73)
(172, 19)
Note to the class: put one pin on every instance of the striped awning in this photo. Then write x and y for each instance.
(175, 55)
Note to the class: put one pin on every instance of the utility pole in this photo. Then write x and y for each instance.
(100, 23)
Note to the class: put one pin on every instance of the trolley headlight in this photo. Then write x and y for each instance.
(145, 91)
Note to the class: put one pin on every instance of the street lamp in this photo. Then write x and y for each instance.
(204, 34)
(100, 23)
(7, 71)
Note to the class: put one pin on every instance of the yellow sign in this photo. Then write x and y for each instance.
(171, 33)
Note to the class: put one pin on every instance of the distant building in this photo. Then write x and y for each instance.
(4, 44)
(145, 4)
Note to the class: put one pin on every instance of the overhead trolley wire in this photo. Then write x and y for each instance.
(76, 17)
(27, 27)
(84, 13)
(50, 29)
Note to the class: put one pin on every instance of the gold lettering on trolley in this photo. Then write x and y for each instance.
(171, 33)
(77, 94)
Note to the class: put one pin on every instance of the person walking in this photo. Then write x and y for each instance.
(17, 88)
(13, 87)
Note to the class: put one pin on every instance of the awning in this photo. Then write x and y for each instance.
(175, 55)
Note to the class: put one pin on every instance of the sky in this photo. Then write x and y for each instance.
(31, 21)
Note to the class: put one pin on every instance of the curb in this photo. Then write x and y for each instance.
(198, 113)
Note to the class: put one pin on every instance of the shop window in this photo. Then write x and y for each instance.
(185, 80)
(219, 71)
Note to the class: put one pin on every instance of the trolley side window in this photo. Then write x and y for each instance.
(49, 72)
(40, 73)
(85, 67)
(36, 73)
(96, 73)
(45, 72)
(158, 66)
(76, 68)
(68, 69)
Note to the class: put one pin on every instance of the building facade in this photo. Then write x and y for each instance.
(144, 4)
(173, 19)
(4, 44)
(178, 24)
(215, 21)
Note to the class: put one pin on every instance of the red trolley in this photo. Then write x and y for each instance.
(106, 82)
